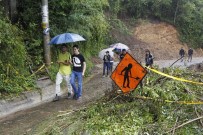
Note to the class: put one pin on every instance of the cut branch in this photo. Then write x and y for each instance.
(198, 116)
(185, 123)
(175, 126)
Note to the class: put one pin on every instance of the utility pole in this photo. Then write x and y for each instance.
(46, 36)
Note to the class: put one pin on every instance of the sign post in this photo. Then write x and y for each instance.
(128, 74)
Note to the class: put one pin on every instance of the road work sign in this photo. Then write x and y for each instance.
(128, 74)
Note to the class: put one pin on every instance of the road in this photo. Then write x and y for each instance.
(184, 64)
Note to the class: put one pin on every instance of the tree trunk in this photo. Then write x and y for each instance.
(10, 9)
(174, 20)
(13, 11)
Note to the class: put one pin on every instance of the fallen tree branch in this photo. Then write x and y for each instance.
(185, 123)
(113, 99)
(70, 111)
(65, 114)
(198, 116)
(159, 80)
(175, 126)
(175, 61)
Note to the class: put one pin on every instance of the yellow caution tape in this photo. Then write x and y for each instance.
(168, 101)
(172, 77)
(185, 102)
(38, 70)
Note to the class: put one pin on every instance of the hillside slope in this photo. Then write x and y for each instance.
(159, 37)
(162, 40)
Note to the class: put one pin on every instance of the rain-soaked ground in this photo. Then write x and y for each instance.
(24, 122)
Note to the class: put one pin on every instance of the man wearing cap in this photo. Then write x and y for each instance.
(106, 63)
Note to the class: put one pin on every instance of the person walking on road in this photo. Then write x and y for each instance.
(190, 53)
(79, 68)
(106, 63)
(182, 53)
(148, 59)
(64, 61)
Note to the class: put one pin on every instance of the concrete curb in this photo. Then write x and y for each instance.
(29, 99)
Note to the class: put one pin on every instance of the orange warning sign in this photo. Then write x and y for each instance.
(128, 74)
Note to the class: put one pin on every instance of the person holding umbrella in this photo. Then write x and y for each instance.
(79, 68)
(64, 61)
(106, 64)
(122, 55)
(78, 61)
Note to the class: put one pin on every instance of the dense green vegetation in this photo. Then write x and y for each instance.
(85, 18)
(94, 19)
(186, 15)
(14, 73)
(147, 110)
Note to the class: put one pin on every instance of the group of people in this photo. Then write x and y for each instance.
(108, 62)
(71, 69)
(149, 57)
(108, 59)
(182, 54)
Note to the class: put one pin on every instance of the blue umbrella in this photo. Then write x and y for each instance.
(66, 38)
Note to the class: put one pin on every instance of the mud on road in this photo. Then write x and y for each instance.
(24, 122)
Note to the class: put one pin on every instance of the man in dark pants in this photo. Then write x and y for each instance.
(106, 64)
(149, 59)
(190, 53)
(182, 53)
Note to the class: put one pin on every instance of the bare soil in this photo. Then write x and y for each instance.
(163, 40)
(160, 38)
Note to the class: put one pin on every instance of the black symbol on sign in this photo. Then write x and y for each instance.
(127, 71)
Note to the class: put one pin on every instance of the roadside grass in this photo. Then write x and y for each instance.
(146, 110)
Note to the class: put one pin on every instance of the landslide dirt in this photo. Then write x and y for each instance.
(160, 38)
